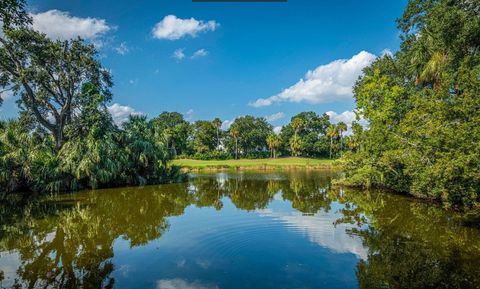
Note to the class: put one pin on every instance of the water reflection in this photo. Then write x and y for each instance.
(235, 231)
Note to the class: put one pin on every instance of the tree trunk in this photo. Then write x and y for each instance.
(331, 144)
(58, 136)
(174, 150)
(236, 149)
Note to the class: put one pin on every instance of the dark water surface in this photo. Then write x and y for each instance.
(237, 230)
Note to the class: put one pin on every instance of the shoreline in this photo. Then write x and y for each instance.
(190, 165)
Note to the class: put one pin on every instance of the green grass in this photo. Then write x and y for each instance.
(280, 163)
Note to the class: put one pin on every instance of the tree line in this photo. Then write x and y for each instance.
(423, 108)
(307, 135)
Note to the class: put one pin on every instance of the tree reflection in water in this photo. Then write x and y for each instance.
(69, 242)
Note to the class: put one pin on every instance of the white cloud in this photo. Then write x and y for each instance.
(347, 117)
(173, 28)
(182, 284)
(61, 25)
(227, 123)
(275, 117)
(320, 230)
(179, 54)
(122, 49)
(327, 83)
(199, 53)
(120, 113)
(277, 129)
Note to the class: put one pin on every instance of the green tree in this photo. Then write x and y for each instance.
(49, 75)
(12, 14)
(93, 154)
(341, 127)
(273, 142)
(234, 132)
(422, 107)
(175, 131)
(204, 136)
(217, 123)
(297, 124)
(311, 134)
(332, 133)
(295, 146)
(252, 133)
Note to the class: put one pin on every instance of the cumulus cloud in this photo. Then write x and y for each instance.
(120, 113)
(173, 28)
(347, 117)
(275, 117)
(182, 284)
(199, 53)
(61, 25)
(179, 54)
(122, 49)
(327, 83)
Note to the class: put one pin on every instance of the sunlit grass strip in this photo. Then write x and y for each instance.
(260, 164)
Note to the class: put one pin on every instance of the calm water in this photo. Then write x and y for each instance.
(237, 230)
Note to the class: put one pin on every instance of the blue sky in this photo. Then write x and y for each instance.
(245, 52)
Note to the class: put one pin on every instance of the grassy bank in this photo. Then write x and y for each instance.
(255, 164)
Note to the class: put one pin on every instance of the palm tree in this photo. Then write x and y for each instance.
(297, 124)
(331, 133)
(217, 123)
(341, 127)
(235, 134)
(432, 70)
(295, 145)
(427, 62)
(352, 142)
(273, 142)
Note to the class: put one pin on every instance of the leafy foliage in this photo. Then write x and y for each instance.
(423, 108)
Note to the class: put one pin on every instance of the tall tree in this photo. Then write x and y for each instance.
(310, 128)
(217, 123)
(252, 132)
(295, 146)
(172, 127)
(332, 133)
(204, 136)
(422, 107)
(235, 133)
(297, 124)
(273, 142)
(341, 127)
(49, 75)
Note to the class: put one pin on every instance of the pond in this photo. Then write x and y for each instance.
(237, 230)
